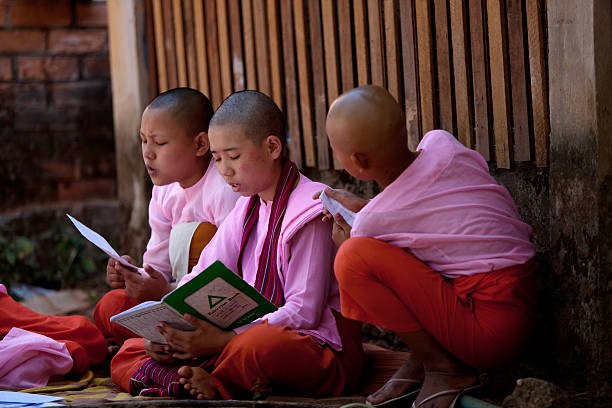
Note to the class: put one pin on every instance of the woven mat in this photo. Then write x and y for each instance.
(380, 364)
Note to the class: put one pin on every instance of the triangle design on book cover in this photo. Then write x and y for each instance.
(215, 300)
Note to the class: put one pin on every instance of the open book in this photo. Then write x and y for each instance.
(217, 295)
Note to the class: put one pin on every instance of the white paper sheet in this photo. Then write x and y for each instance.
(22, 399)
(99, 241)
(334, 207)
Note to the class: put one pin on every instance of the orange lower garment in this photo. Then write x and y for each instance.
(112, 303)
(270, 358)
(83, 340)
(484, 319)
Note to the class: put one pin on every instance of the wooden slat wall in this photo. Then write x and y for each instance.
(453, 64)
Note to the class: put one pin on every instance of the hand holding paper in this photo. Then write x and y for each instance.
(334, 207)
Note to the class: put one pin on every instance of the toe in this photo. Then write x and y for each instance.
(185, 371)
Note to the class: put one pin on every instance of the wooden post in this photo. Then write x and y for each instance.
(500, 97)
(537, 70)
(580, 179)
(426, 66)
(463, 101)
(480, 77)
(410, 70)
(126, 28)
(443, 66)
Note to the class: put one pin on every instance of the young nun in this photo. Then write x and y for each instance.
(273, 239)
(189, 201)
(440, 256)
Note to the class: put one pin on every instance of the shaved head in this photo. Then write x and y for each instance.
(189, 107)
(366, 118)
(367, 130)
(253, 111)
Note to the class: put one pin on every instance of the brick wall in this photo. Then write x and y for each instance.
(56, 127)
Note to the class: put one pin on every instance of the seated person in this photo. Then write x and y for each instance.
(83, 340)
(440, 256)
(189, 201)
(274, 239)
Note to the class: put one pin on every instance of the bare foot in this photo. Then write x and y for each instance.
(436, 381)
(198, 382)
(410, 370)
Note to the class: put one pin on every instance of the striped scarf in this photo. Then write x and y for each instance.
(267, 281)
(156, 379)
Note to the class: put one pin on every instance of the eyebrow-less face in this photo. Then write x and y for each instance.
(248, 167)
(169, 152)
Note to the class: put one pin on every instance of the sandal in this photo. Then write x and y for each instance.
(458, 391)
(409, 394)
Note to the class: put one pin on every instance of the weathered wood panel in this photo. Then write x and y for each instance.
(212, 48)
(480, 78)
(275, 53)
(237, 53)
(224, 49)
(304, 82)
(426, 68)
(537, 69)
(499, 82)
(190, 47)
(291, 89)
(518, 82)
(410, 70)
(443, 67)
(392, 52)
(452, 64)
(345, 34)
(463, 99)
(200, 39)
(179, 42)
(360, 24)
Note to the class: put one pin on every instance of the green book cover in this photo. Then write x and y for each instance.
(221, 297)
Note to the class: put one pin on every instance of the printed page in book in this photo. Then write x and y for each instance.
(142, 319)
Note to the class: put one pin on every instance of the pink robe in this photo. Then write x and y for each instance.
(209, 200)
(305, 258)
(447, 210)
(28, 360)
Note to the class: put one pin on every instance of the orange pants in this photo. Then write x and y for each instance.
(483, 320)
(271, 358)
(113, 302)
(83, 340)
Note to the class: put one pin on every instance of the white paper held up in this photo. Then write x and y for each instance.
(99, 241)
(334, 207)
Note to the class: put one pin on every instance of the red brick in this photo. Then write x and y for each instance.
(77, 41)
(6, 68)
(86, 94)
(17, 41)
(95, 66)
(91, 14)
(23, 96)
(103, 187)
(3, 15)
(48, 68)
(41, 13)
(60, 170)
(39, 120)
